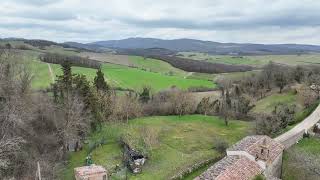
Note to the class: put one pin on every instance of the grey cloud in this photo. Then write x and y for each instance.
(34, 2)
(225, 20)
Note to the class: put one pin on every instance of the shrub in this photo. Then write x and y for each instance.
(259, 177)
(220, 145)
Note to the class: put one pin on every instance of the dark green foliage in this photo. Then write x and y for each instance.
(8, 46)
(299, 73)
(259, 177)
(284, 114)
(220, 145)
(67, 75)
(281, 79)
(55, 58)
(144, 96)
(203, 106)
(100, 82)
(228, 99)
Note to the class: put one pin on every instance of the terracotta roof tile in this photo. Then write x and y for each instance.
(232, 168)
(254, 144)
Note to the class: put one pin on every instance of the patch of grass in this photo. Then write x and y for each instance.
(268, 103)
(209, 77)
(182, 141)
(299, 116)
(293, 170)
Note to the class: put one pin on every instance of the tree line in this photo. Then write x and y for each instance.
(56, 58)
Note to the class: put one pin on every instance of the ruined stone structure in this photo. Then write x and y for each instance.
(92, 172)
(133, 159)
(251, 156)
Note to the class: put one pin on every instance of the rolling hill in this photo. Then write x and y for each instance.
(208, 46)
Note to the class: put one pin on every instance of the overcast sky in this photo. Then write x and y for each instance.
(255, 21)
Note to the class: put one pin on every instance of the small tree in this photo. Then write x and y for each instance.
(144, 96)
(281, 79)
(100, 82)
(220, 145)
(314, 82)
(204, 106)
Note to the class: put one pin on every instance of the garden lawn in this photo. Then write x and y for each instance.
(179, 142)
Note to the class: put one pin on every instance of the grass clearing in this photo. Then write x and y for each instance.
(267, 104)
(182, 141)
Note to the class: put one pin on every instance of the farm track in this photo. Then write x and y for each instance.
(51, 72)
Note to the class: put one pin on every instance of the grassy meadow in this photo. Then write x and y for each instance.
(178, 142)
(118, 76)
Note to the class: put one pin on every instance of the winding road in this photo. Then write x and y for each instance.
(295, 134)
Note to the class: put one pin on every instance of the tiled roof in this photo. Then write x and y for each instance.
(231, 168)
(254, 144)
(89, 170)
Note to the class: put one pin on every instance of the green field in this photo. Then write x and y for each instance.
(156, 74)
(119, 76)
(180, 142)
(293, 167)
(155, 65)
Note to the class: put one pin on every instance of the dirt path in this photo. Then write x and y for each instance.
(51, 72)
(295, 134)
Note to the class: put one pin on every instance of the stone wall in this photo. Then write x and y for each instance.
(293, 139)
(274, 169)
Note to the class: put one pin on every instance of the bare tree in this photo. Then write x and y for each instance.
(182, 102)
(314, 82)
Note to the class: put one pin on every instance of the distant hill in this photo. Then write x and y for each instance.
(208, 46)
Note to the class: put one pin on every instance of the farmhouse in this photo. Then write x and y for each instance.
(92, 172)
(251, 156)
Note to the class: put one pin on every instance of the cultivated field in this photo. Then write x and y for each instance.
(178, 142)
(256, 61)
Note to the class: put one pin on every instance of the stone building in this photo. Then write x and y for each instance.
(251, 156)
(92, 172)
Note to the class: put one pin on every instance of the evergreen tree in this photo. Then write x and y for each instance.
(100, 82)
(144, 96)
(67, 75)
